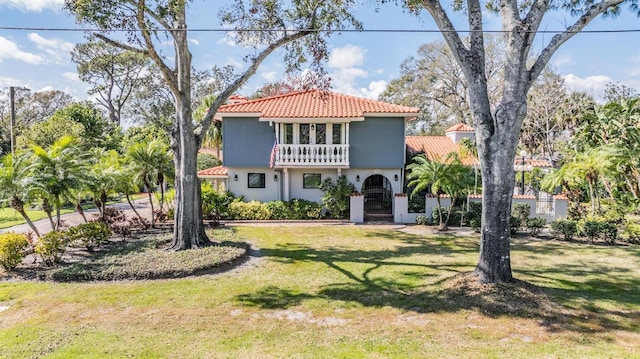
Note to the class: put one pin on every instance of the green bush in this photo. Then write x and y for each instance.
(417, 204)
(515, 224)
(337, 196)
(565, 228)
(12, 246)
(278, 209)
(590, 229)
(455, 219)
(423, 220)
(253, 210)
(90, 235)
(475, 224)
(51, 246)
(522, 211)
(303, 209)
(631, 232)
(608, 232)
(215, 205)
(535, 225)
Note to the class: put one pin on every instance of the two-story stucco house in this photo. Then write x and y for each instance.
(283, 147)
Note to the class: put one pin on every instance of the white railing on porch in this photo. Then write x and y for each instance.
(312, 155)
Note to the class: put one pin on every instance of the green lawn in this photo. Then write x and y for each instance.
(9, 217)
(344, 292)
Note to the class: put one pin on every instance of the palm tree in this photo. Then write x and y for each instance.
(448, 176)
(468, 148)
(15, 185)
(213, 136)
(593, 165)
(103, 177)
(57, 171)
(151, 164)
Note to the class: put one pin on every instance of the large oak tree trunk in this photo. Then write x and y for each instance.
(188, 230)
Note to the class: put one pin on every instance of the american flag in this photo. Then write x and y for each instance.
(274, 150)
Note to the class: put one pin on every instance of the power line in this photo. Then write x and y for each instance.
(62, 29)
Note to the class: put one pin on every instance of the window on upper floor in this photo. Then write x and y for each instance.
(336, 133)
(312, 133)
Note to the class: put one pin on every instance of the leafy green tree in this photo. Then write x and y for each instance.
(112, 72)
(15, 183)
(141, 20)
(56, 171)
(79, 120)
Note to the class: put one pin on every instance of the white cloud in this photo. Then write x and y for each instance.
(227, 40)
(72, 76)
(34, 5)
(57, 49)
(8, 81)
(269, 76)
(376, 88)
(9, 50)
(634, 66)
(235, 63)
(346, 57)
(194, 41)
(593, 85)
(563, 59)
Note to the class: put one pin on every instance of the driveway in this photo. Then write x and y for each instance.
(72, 219)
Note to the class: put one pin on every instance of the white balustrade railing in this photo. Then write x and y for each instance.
(312, 155)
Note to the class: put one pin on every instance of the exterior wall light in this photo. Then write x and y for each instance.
(275, 178)
(395, 177)
(235, 178)
(358, 178)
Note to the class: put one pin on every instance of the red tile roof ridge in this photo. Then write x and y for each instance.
(461, 127)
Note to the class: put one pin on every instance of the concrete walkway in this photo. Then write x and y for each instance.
(72, 219)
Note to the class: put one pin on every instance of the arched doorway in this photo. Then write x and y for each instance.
(378, 197)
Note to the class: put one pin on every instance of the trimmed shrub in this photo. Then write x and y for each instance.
(51, 246)
(12, 246)
(608, 232)
(564, 228)
(278, 209)
(253, 210)
(90, 235)
(535, 225)
(475, 224)
(590, 229)
(215, 205)
(423, 220)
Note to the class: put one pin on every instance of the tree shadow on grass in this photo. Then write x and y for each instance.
(453, 288)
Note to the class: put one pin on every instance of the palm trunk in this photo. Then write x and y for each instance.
(133, 207)
(81, 212)
(153, 213)
(47, 209)
(57, 205)
(17, 204)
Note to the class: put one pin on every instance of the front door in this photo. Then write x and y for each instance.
(378, 197)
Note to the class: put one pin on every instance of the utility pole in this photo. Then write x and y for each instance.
(12, 124)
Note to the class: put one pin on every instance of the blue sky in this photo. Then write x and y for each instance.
(360, 63)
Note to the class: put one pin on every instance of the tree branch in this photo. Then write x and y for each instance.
(204, 125)
(169, 75)
(121, 45)
(561, 38)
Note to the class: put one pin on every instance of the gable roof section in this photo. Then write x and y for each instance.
(315, 104)
(435, 148)
(214, 172)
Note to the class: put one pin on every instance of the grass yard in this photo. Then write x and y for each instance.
(344, 292)
(9, 217)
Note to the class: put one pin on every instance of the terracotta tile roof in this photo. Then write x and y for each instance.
(316, 104)
(539, 163)
(435, 148)
(214, 172)
(461, 127)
